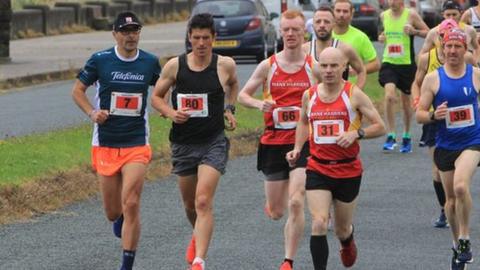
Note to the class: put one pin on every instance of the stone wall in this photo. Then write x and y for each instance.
(95, 14)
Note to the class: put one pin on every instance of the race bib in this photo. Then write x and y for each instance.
(126, 104)
(395, 50)
(461, 116)
(286, 117)
(327, 131)
(196, 104)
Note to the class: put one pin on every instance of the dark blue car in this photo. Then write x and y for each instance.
(243, 27)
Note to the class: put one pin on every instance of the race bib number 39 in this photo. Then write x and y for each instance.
(195, 104)
(286, 117)
(327, 131)
(126, 104)
(395, 50)
(461, 116)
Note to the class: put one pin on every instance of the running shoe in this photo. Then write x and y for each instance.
(190, 252)
(197, 266)
(389, 144)
(464, 252)
(117, 227)
(348, 253)
(441, 222)
(285, 266)
(406, 145)
(454, 265)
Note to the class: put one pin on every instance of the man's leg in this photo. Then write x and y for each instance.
(447, 181)
(111, 188)
(407, 112)
(319, 205)
(208, 179)
(344, 230)
(295, 224)
(390, 101)
(133, 175)
(465, 167)
(187, 185)
(441, 222)
(276, 194)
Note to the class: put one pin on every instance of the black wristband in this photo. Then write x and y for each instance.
(432, 116)
(230, 107)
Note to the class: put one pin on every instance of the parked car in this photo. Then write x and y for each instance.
(278, 6)
(243, 27)
(366, 17)
(431, 12)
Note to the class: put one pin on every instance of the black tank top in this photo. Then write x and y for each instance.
(199, 129)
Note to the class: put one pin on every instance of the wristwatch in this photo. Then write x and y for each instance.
(361, 133)
(230, 107)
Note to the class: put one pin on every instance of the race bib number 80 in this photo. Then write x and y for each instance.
(195, 104)
(461, 116)
(327, 131)
(286, 117)
(126, 104)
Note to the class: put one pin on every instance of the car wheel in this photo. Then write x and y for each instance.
(264, 54)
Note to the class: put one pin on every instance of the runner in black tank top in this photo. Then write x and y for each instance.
(199, 129)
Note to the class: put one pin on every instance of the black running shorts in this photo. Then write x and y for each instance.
(445, 159)
(271, 160)
(342, 189)
(400, 75)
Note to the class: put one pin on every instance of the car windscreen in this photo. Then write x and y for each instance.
(225, 8)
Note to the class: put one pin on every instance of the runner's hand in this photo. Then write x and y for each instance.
(181, 116)
(347, 138)
(231, 122)
(99, 116)
(292, 157)
(441, 111)
(267, 105)
(408, 29)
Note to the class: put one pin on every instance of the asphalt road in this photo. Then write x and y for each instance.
(393, 225)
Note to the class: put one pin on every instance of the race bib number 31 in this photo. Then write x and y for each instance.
(327, 131)
(195, 104)
(126, 104)
(286, 117)
(461, 116)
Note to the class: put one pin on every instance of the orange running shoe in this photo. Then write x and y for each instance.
(190, 252)
(285, 266)
(197, 266)
(348, 253)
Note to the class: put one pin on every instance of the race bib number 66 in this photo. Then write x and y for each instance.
(126, 104)
(327, 131)
(286, 117)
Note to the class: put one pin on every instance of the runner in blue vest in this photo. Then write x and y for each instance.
(453, 92)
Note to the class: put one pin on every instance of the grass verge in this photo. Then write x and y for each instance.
(42, 172)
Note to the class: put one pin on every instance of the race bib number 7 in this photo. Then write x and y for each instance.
(461, 116)
(195, 104)
(327, 131)
(126, 104)
(286, 117)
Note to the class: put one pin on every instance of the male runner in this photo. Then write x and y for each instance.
(451, 9)
(323, 22)
(453, 92)
(120, 152)
(398, 68)
(284, 77)
(331, 121)
(205, 88)
(345, 32)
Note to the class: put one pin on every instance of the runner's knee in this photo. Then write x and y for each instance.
(319, 225)
(460, 188)
(202, 204)
(295, 205)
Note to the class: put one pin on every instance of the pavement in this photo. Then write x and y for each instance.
(60, 57)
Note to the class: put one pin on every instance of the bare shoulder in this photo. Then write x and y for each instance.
(171, 67)
(346, 48)
(226, 62)
(476, 72)
(430, 78)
